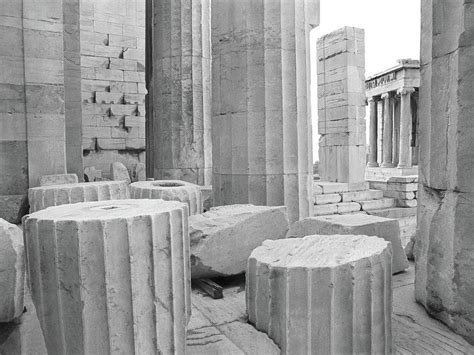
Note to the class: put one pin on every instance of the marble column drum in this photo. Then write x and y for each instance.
(111, 277)
(323, 294)
(54, 195)
(169, 190)
(179, 55)
(261, 127)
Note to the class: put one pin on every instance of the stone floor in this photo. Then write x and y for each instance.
(219, 326)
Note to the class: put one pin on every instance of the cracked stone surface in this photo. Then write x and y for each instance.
(12, 271)
(323, 294)
(111, 276)
(223, 238)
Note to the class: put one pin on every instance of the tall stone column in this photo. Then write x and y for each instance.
(380, 131)
(405, 127)
(444, 248)
(341, 109)
(373, 134)
(387, 131)
(396, 129)
(261, 117)
(181, 88)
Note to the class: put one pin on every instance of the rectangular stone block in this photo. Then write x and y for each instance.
(348, 207)
(327, 199)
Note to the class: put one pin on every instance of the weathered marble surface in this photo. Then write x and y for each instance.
(179, 56)
(223, 238)
(444, 249)
(47, 180)
(54, 195)
(359, 224)
(12, 271)
(111, 276)
(323, 294)
(170, 190)
(261, 129)
(341, 105)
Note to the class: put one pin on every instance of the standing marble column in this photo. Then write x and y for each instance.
(405, 127)
(387, 131)
(373, 133)
(261, 125)
(444, 248)
(380, 131)
(180, 83)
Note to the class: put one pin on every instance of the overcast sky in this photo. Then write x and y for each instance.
(392, 31)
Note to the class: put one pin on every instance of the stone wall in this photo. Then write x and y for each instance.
(37, 73)
(444, 247)
(113, 82)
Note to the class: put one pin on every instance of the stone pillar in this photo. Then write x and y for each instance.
(341, 116)
(405, 127)
(387, 131)
(444, 248)
(111, 276)
(261, 112)
(181, 89)
(380, 131)
(373, 133)
(72, 87)
(396, 129)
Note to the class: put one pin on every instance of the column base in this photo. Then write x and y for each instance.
(403, 166)
(386, 165)
(372, 165)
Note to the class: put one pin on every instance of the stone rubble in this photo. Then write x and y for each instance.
(223, 238)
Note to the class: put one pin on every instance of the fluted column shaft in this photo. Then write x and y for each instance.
(373, 133)
(261, 116)
(405, 127)
(181, 87)
(379, 131)
(387, 131)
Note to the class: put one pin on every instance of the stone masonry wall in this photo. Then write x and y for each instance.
(113, 82)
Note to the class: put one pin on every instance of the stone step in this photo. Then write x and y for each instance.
(394, 212)
(378, 204)
(362, 195)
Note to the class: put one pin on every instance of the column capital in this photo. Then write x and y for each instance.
(405, 91)
(385, 95)
(370, 99)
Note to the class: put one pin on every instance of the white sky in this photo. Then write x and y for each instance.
(392, 31)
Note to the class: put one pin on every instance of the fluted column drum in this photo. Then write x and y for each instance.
(55, 195)
(323, 294)
(170, 190)
(111, 277)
